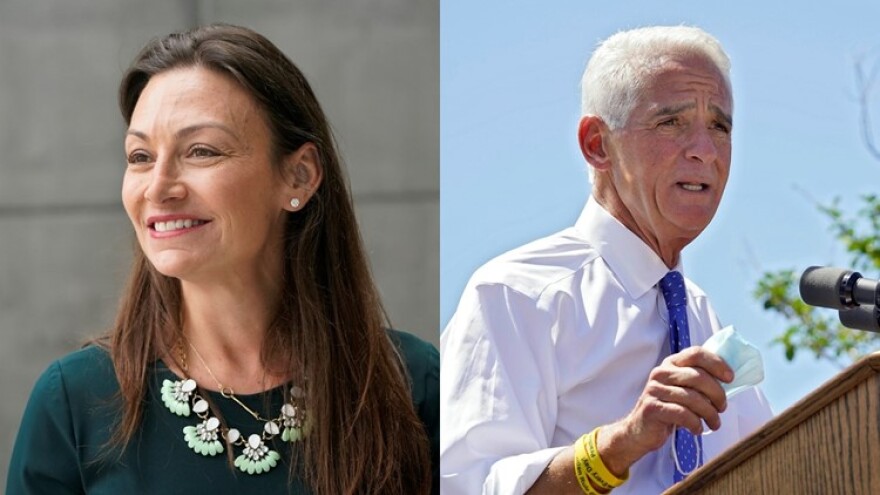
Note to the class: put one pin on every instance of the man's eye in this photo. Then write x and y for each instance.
(720, 126)
(672, 121)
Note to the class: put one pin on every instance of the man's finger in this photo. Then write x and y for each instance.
(697, 357)
(693, 401)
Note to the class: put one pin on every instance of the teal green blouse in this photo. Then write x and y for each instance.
(69, 418)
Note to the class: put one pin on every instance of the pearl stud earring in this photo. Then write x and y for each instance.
(294, 203)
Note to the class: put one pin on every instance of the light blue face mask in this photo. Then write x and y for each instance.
(742, 357)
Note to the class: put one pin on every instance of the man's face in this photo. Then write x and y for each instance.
(671, 160)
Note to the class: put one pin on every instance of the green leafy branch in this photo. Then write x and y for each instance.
(818, 330)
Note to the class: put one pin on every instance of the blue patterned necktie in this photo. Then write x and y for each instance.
(688, 448)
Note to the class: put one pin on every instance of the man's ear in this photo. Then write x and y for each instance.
(301, 173)
(593, 137)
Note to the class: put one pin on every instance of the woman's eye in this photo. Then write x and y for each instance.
(203, 152)
(138, 157)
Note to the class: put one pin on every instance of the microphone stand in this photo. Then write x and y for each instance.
(865, 318)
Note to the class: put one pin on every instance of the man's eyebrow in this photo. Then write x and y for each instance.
(720, 114)
(674, 109)
(187, 130)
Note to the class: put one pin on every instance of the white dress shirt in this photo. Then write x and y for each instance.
(553, 339)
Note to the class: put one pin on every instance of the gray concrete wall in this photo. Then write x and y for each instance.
(64, 238)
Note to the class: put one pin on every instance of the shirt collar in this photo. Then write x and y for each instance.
(634, 263)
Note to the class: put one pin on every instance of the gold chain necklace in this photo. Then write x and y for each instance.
(226, 392)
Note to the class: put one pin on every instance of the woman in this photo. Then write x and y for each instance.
(249, 354)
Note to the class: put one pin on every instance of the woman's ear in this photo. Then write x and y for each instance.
(301, 174)
(593, 137)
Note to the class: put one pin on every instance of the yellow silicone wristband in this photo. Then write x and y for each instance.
(599, 472)
(582, 466)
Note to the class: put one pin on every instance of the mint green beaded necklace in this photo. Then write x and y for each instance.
(182, 398)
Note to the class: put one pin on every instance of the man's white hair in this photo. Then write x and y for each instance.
(623, 64)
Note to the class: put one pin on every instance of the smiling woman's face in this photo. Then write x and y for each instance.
(200, 187)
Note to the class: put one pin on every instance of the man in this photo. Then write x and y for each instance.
(563, 355)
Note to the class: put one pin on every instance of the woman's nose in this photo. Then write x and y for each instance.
(165, 182)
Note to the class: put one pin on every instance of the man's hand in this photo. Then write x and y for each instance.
(682, 391)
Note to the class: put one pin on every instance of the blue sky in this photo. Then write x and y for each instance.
(511, 170)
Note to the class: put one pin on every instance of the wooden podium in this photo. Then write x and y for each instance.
(827, 443)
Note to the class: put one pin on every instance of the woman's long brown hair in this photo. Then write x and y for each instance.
(330, 329)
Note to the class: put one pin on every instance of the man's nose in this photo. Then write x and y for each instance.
(703, 146)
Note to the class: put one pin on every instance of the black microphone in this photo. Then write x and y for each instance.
(837, 288)
(861, 318)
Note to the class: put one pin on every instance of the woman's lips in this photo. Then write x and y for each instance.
(169, 225)
(172, 225)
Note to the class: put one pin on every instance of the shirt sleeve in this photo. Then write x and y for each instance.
(498, 390)
(755, 411)
(44, 459)
(423, 366)
(430, 412)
